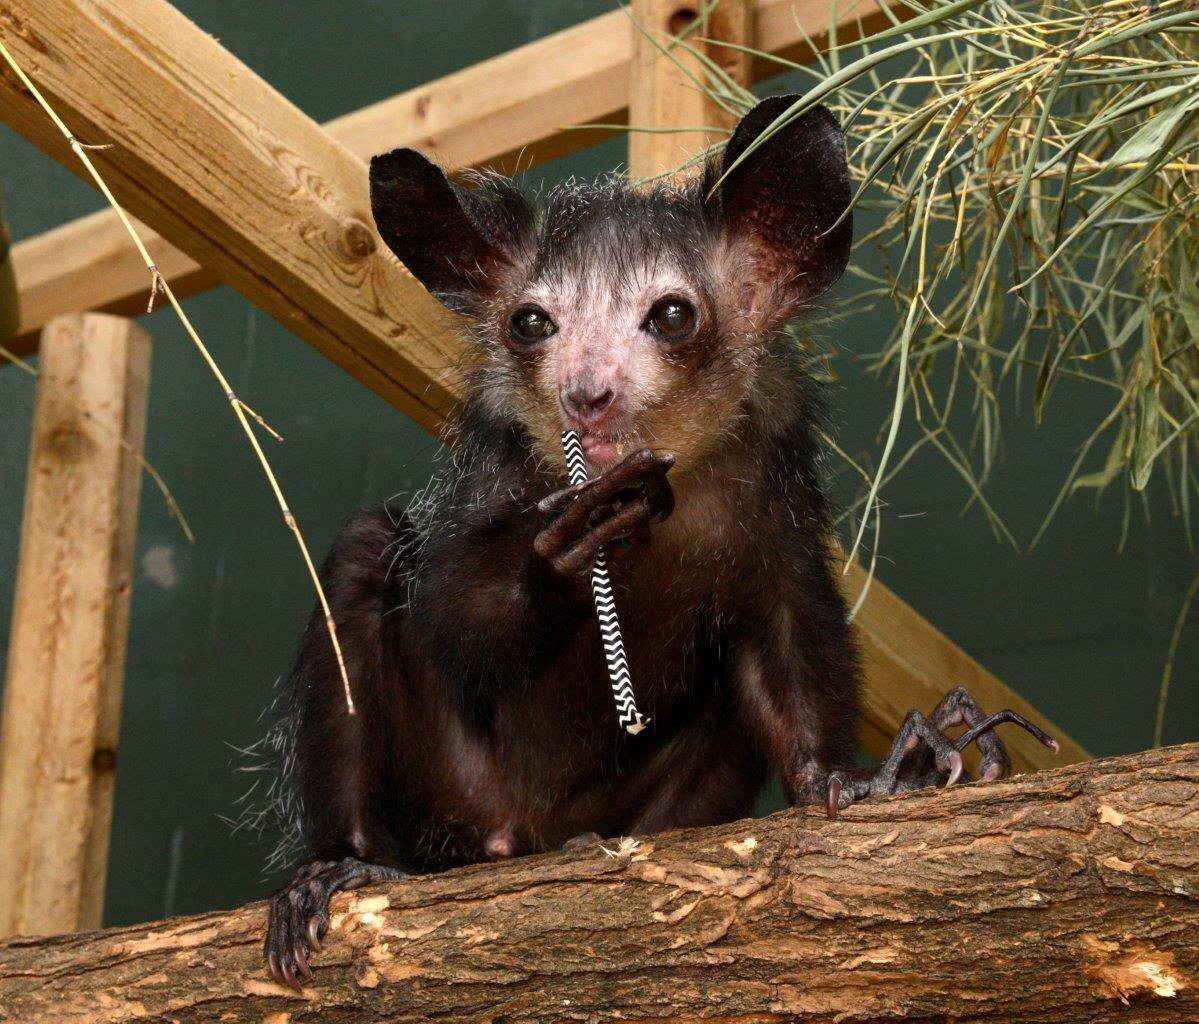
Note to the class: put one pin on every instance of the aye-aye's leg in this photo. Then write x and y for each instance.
(338, 766)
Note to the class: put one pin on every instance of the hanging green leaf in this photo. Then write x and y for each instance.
(1056, 143)
(1151, 138)
(1149, 410)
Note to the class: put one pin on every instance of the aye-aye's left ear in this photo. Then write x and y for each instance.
(786, 194)
(453, 239)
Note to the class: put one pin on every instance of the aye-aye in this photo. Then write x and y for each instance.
(651, 320)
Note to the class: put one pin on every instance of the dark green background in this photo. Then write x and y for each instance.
(1078, 628)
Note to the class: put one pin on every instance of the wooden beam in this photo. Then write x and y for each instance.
(90, 264)
(518, 107)
(232, 173)
(663, 89)
(1066, 897)
(62, 695)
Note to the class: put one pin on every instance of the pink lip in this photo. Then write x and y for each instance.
(600, 451)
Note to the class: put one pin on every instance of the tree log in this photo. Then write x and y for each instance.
(1066, 896)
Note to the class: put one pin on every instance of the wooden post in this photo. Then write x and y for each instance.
(661, 92)
(58, 737)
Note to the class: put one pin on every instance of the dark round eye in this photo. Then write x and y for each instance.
(670, 318)
(530, 324)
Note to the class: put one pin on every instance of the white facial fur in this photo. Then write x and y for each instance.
(679, 397)
(600, 337)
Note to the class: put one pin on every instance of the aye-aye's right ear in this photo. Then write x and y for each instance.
(453, 240)
(782, 197)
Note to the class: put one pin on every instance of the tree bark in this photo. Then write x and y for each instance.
(1071, 895)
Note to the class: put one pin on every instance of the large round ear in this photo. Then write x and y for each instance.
(453, 240)
(781, 197)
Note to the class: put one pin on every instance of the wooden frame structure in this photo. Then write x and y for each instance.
(62, 697)
(291, 229)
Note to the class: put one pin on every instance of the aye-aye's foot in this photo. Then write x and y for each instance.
(922, 755)
(299, 912)
(577, 521)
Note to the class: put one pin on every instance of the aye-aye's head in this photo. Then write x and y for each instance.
(637, 316)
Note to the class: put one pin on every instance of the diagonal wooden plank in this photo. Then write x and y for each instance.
(231, 172)
(518, 106)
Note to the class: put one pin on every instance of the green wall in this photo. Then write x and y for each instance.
(1078, 628)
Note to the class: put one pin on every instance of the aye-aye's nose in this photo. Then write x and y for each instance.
(586, 402)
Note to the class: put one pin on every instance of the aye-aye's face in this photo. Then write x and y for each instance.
(635, 316)
(625, 320)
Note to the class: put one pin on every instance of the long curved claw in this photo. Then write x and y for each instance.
(956, 766)
(281, 947)
(833, 807)
(314, 933)
(300, 956)
(999, 718)
(287, 974)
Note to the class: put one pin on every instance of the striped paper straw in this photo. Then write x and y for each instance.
(605, 607)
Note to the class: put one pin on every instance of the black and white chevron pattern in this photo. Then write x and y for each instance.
(605, 606)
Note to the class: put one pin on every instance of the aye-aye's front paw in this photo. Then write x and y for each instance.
(578, 521)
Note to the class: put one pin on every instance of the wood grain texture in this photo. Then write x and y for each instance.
(62, 695)
(1069, 897)
(90, 264)
(520, 107)
(664, 72)
(236, 176)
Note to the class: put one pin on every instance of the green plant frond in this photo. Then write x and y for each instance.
(1030, 173)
